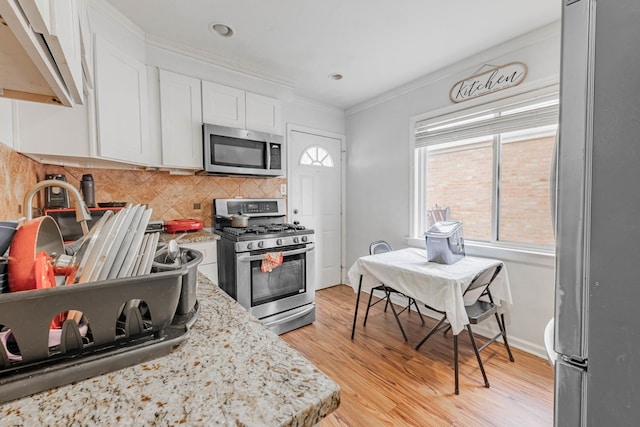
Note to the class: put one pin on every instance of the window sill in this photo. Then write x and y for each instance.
(492, 250)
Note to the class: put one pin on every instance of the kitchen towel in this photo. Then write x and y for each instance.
(271, 260)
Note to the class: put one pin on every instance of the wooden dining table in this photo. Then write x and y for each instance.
(440, 286)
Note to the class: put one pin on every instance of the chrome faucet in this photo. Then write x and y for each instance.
(82, 212)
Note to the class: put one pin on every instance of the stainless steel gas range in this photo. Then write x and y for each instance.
(267, 266)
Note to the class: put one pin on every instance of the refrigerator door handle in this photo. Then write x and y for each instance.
(574, 361)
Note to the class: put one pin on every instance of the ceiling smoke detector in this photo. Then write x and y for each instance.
(335, 76)
(221, 29)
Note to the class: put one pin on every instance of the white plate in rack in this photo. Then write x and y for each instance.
(115, 245)
(109, 239)
(134, 250)
(150, 254)
(100, 243)
(126, 243)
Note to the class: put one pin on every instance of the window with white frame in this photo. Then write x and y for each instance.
(316, 156)
(490, 169)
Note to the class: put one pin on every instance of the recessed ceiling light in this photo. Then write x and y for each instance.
(221, 29)
(335, 76)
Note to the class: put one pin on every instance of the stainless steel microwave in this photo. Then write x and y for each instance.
(231, 151)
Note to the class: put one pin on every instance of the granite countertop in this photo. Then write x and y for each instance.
(231, 371)
(190, 236)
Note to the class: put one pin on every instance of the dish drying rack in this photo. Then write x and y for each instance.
(107, 338)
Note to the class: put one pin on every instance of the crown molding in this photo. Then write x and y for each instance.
(531, 38)
(316, 105)
(217, 60)
(113, 14)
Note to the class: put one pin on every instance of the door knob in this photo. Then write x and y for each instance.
(295, 211)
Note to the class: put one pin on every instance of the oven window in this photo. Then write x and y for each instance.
(228, 151)
(283, 281)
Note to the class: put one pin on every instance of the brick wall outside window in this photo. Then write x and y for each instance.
(461, 178)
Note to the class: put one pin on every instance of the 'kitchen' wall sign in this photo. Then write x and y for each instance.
(493, 80)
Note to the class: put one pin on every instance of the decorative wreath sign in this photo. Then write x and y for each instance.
(489, 81)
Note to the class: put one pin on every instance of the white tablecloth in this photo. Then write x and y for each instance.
(437, 285)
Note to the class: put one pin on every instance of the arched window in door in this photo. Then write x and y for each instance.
(315, 155)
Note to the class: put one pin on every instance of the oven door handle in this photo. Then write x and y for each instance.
(249, 258)
(291, 316)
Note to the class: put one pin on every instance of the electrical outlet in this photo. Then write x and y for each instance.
(283, 189)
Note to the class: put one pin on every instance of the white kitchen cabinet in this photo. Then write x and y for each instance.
(121, 105)
(181, 120)
(263, 113)
(33, 73)
(49, 130)
(227, 106)
(223, 105)
(6, 121)
(209, 264)
(58, 22)
(86, 45)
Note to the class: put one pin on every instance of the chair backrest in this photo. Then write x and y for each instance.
(378, 247)
(480, 284)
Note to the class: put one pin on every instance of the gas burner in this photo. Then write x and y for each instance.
(294, 226)
(234, 231)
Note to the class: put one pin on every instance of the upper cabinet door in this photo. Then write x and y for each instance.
(58, 22)
(33, 75)
(39, 14)
(263, 114)
(6, 121)
(223, 105)
(121, 105)
(181, 120)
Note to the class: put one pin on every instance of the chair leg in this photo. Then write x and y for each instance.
(366, 314)
(475, 349)
(503, 330)
(412, 301)
(396, 316)
(431, 332)
(455, 363)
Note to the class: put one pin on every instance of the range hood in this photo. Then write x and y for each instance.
(40, 56)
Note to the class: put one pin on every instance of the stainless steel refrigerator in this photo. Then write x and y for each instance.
(597, 313)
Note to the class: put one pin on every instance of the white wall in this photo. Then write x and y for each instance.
(379, 173)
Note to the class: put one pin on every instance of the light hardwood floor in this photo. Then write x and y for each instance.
(384, 381)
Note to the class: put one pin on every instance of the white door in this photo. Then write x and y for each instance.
(315, 198)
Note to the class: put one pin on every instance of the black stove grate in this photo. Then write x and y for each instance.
(263, 229)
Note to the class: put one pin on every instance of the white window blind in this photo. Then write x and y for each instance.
(541, 111)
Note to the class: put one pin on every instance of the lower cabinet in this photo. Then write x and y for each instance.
(209, 264)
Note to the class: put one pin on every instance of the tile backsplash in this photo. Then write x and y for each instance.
(18, 174)
(170, 196)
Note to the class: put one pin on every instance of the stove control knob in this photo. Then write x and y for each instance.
(279, 242)
(260, 244)
(249, 245)
(296, 240)
(304, 238)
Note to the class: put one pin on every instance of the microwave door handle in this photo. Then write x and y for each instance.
(249, 258)
(268, 155)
